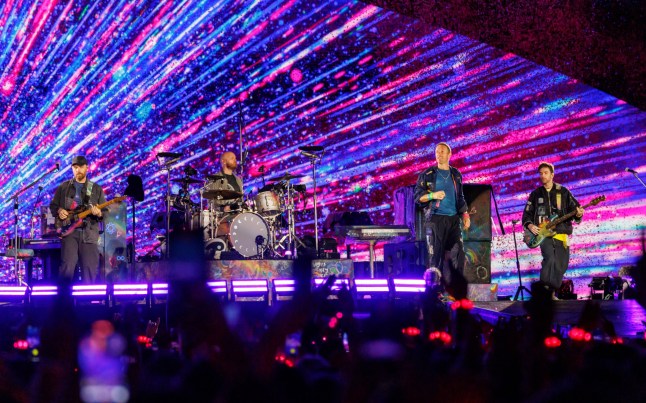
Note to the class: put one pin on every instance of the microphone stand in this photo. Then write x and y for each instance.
(16, 244)
(638, 178)
(313, 160)
(521, 287)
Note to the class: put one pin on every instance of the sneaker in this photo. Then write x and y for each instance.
(554, 297)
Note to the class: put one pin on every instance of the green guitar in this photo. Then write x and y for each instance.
(546, 228)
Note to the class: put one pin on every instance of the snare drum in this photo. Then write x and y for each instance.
(267, 204)
(248, 234)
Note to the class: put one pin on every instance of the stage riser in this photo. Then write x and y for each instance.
(243, 269)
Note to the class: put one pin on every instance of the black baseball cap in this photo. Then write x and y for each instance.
(79, 160)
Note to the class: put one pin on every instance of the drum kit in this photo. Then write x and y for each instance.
(258, 227)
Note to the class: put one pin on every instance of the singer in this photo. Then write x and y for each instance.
(75, 194)
(439, 192)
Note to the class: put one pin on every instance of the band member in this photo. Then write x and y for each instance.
(544, 202)
(82, 242)
(231, 181)
(439, 192)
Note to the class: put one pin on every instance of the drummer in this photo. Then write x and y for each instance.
(227, 180)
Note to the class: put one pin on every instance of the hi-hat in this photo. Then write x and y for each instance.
(186, 180)
(222, 194)
(169, 155)
(286, 177)
(311, 149)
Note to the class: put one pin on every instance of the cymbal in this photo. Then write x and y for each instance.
(286, 177)
(169, 155)
(186, 180)
(311, 149)
(215, 177)
(223, 194)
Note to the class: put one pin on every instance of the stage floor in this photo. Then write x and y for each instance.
(627, 316)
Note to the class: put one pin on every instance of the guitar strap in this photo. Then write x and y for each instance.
(88, 191)
(558, 197)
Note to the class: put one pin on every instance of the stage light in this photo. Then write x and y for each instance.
(160, 288)
(250, 290)
(137, 290)
(219, 288)
(134, 293)
(336, 287)
(408, 286)
(92, 292)
(367, 288)
(44, 290)
(283, 289)
(13, 293)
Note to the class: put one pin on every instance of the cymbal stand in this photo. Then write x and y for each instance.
(314, 159)
(291, 237)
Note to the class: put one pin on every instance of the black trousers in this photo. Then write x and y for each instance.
(556, 258)
(73, 249)
(444, 234)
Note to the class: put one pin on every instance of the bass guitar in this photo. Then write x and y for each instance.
(546, 229)
(76, 216)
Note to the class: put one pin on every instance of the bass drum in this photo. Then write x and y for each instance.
(248, 234)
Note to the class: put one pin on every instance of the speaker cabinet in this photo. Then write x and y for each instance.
(478, 198)
(477, 269)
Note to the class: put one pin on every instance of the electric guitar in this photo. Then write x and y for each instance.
(545, 229)
(76, 216)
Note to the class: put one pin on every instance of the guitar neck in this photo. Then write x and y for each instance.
(100, 206)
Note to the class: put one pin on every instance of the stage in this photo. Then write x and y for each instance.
(627, 316)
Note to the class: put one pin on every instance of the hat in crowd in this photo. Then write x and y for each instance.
(79, 160)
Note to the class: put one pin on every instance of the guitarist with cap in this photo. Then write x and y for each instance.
(79, 236)
(548, 202)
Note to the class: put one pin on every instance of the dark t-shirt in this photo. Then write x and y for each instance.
(78, 197)
(231, 179)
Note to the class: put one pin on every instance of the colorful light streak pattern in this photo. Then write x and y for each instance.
(122, 80)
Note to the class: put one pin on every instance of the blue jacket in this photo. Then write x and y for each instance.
(426, 183)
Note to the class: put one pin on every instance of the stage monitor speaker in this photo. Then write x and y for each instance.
(405, 259)
(477, 269)
(478, 198)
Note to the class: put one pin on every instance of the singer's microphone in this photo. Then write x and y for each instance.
(632, 171)
(305, 153)
(515, 221)
(58, 166)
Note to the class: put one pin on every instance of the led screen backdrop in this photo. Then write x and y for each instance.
(120, 81)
